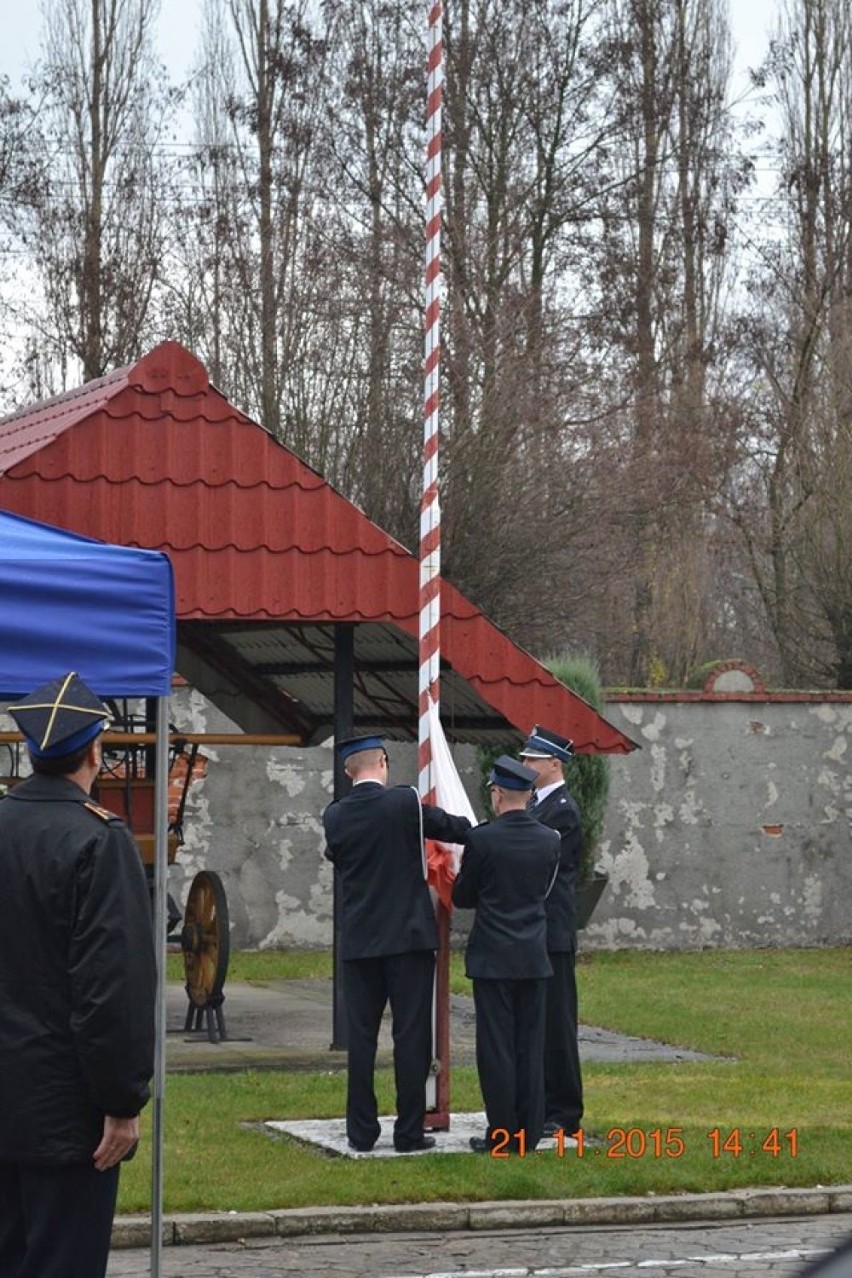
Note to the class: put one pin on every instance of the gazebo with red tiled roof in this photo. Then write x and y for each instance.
(276, 573)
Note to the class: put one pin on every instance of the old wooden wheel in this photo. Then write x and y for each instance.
(205, 941)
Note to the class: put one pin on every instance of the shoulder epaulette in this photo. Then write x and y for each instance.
(103, 813)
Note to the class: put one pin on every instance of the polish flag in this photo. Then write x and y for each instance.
(443, 859)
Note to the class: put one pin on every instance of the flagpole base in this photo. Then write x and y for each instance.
(436, 1120)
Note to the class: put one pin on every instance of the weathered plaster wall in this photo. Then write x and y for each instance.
(729, 828)
(256, 820)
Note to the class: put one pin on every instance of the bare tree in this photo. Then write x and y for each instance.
(267, 56)
(15, 121)
(372, 162)
(668, 188)
(204, 302)
(18, 179)
(793, 506)
(524, 117)
(95, 223)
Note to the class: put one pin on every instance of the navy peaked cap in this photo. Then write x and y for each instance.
(60, 717)
(543, 744)
(511, 775)
(354, 745)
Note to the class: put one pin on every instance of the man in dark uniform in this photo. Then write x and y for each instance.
(546, 752)
(374, 837)
(507, 869)
(77, 990)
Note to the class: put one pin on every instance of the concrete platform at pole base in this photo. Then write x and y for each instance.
(329, 1134)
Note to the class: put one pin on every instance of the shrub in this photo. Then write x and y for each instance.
(587, 775)
(485, 757)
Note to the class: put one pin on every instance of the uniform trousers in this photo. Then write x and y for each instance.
(406, 981)
(563, 1082)
(55, 1221)
(510, 1054)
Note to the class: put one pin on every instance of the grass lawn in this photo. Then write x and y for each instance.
(781, 1103)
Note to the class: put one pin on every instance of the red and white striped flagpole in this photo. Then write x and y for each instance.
(430, 526)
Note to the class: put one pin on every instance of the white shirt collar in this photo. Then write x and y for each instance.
(546, 790)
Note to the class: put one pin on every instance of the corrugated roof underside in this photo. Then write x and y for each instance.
(297, 661)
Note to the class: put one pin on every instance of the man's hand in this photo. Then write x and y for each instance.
(120, 1136)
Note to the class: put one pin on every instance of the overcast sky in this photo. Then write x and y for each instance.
(21, 28)
(751, 22)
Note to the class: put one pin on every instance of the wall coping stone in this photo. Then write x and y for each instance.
(781, 697)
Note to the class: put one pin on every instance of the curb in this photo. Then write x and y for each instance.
(738, 1204)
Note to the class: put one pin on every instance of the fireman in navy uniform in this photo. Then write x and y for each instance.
(546, 752)
(507, 869)
(374, 837)
(77, 991)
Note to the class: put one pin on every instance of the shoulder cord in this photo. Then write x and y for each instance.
(555, 872)
(422, 839)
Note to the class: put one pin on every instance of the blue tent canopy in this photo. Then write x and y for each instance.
(71, 603)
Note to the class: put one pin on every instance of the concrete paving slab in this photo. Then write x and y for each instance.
(330, 1134)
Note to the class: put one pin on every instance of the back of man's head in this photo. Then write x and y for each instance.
(364, 758)
(367, 764)
(511, 784)
(63, 765)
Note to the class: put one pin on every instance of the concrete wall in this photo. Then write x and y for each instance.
(729, 828)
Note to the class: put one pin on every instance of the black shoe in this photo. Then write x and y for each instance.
(480, 1144)
(425, 1142)
(413, 1147)
(360, 1149)
(550, 1129)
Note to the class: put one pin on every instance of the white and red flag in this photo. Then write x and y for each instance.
(443, 859)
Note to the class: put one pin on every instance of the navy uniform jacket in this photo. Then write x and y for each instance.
(559, 812)
(373, 839)
(77, 973)
(507, 868)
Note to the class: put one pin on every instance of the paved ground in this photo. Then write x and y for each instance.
(288, 1025)
(767, 1248)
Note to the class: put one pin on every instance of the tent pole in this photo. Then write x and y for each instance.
(161, 867)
